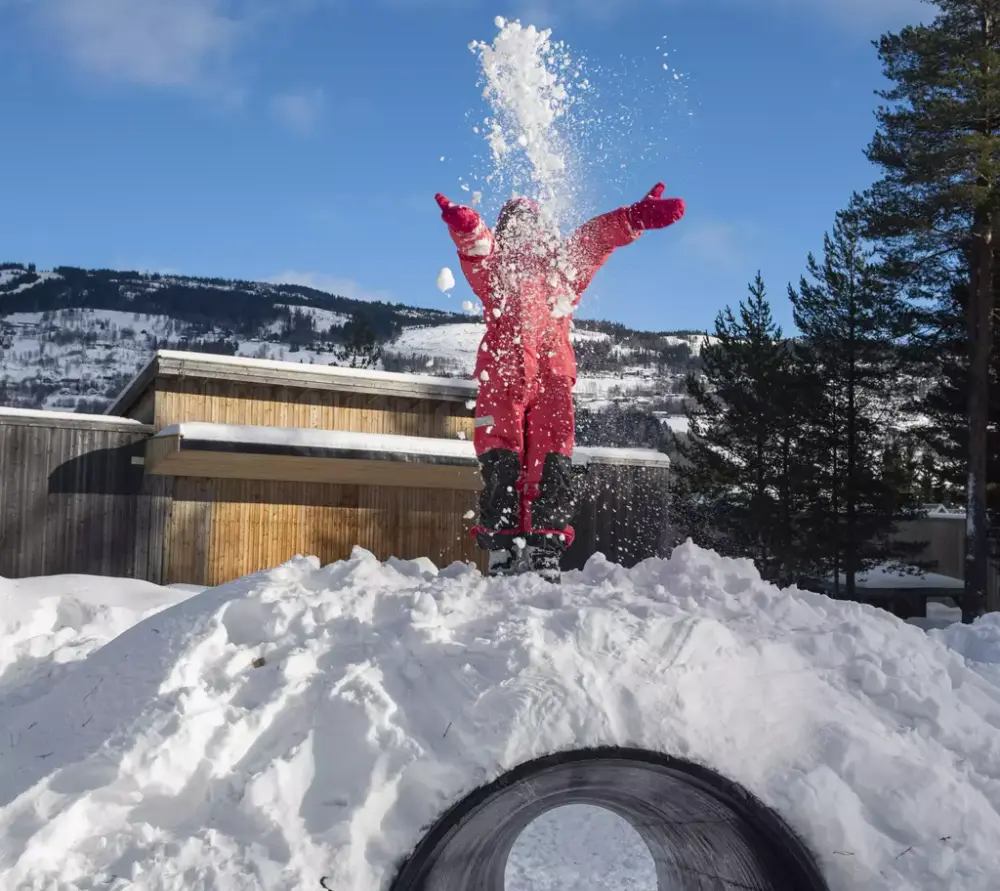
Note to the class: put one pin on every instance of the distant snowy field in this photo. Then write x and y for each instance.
(167, 739)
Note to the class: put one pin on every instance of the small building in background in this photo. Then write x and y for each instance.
(208, 468)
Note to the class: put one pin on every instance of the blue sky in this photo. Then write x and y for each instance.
(301, 139)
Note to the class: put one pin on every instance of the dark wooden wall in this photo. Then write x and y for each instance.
(70, 496)
(622, 513)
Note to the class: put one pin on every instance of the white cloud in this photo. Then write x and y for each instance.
(179, 43)
(320, 281)
(299, 111)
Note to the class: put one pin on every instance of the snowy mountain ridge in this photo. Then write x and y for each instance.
(70, 338)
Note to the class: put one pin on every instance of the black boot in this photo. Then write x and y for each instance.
(504, 562)
(555, 505)
(499, 510)
(544, 559)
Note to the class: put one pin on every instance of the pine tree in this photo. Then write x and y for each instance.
(946, 437)
(853, 327)
(936, 210)
(735, 470)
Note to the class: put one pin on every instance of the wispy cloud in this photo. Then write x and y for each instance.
(181, 43)
(332, 284)
(299, 111)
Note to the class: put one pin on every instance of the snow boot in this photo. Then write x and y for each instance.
(544, 559)
(503, 562)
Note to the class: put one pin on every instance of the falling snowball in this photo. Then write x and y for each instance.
(468, 306)
(461, 434)
(445, 280)
(484, 375)
(470, 515)
(499, 21)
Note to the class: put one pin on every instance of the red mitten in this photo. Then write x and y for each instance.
(458, 218)
(654, 211)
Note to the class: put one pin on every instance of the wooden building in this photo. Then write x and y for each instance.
(69, 492)
(245, 463)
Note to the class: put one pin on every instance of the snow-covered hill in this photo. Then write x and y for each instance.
(71, 338)
(310, 722)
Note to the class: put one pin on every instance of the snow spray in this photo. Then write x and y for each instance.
(568, 132)
(531, 84)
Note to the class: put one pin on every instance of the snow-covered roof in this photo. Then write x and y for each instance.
(63, 418)
(176, 363)
(458, 450)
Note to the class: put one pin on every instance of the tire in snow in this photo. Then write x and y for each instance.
(704, 832)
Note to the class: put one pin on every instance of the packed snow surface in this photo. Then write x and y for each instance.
(310, 721)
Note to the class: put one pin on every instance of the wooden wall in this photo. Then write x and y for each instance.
(622, 513)
(945, 537)
(219, 530)
(180, 400)
(70, 497)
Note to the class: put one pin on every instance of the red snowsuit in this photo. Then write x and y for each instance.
(524, 424)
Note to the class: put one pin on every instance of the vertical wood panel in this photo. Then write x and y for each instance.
(67, 498)
(231, 402)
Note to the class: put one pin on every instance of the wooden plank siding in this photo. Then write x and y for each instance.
(622, 513)
(191, 399)
(945, 538)
(69, 496)
(221, 529)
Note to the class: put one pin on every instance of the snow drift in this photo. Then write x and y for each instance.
(312, 721)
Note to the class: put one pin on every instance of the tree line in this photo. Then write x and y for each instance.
(799, 456)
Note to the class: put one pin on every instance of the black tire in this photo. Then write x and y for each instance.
(704, 832)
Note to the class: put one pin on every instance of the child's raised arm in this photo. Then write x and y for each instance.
(474, 241)
(592, 244)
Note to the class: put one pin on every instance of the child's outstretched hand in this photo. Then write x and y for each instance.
(655, 211)
(459, 218)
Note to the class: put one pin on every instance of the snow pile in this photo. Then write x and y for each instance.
(309, 721)
(49, 624)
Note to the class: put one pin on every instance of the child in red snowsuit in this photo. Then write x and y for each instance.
(530, 281)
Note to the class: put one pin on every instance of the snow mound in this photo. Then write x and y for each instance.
(311, 721)
(47, 625)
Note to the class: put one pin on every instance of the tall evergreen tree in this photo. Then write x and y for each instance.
(946, 437)
(734, 469)
(853, 327)
(936, 210)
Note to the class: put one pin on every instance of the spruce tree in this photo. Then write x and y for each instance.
(734, 469)
(946, 436)
(936, 210)
(853, 328)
